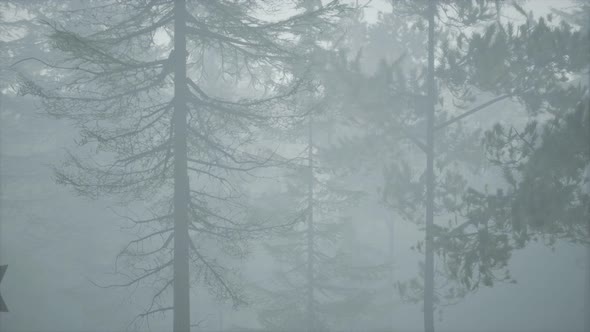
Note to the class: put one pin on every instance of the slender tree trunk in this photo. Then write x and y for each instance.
(391, 260)
(587, 290)
(181, 180)
(220, 322)
(310, 5)
(429, 250)
(587, 283)
(498, 12)
(310, 237)
(587, 189)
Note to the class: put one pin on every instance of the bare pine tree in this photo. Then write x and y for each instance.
(146, 83)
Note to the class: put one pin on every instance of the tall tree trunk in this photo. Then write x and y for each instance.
(587, 283)
(310, 237)
(310, 5)
(429, 250)
(587, 189)
(498, 12)
(391, 261)
(181, 180)
(587, 291)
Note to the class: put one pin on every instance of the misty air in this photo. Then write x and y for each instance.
(295, 165)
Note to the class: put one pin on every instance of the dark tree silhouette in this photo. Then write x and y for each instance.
(508, 62)
(145, 81)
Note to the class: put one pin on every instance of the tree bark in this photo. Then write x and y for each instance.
(181, 287)
(429, 250)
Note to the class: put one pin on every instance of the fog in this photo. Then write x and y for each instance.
(305, 165)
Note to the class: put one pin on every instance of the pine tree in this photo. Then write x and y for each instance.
(545, 163)
(139, 82)
(473, 249)
(321, 284)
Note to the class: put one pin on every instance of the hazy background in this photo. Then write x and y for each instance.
(54, 243)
